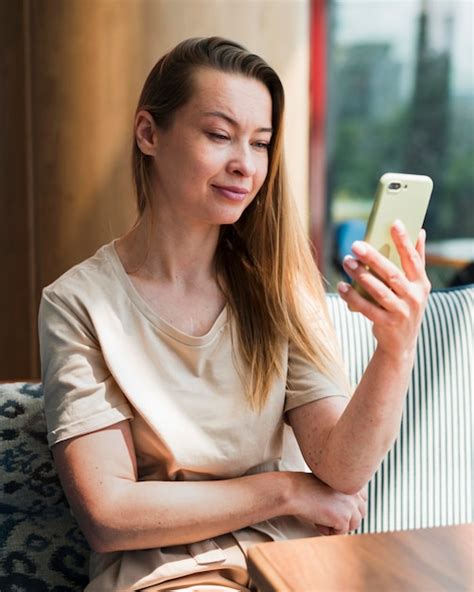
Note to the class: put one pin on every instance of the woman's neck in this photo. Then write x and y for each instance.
(176, 255)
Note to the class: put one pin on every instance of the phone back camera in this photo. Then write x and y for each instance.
(395, 186)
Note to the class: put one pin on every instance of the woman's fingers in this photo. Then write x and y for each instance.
(413, 262)
(381, 278)
(350, 519)
(421, 245)
(410, 258)
(360, 304)
(379, 265)
(363, 507)
(355, 521)
(380, 292)
(325, 530)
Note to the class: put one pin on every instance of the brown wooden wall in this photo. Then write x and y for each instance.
(71, 72)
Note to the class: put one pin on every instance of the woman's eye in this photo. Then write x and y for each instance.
(217, 136)
(262, 145)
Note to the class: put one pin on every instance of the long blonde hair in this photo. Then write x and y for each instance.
(270, 280)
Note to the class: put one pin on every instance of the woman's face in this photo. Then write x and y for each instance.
(212, 160)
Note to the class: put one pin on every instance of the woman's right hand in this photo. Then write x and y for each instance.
(331, 511)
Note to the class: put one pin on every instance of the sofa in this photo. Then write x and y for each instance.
(425, 480)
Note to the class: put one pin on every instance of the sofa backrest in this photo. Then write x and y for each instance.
(426, 479)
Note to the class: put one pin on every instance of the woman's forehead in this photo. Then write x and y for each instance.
(236, 95)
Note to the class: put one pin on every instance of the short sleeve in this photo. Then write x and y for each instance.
(305, 383)
(80, 394)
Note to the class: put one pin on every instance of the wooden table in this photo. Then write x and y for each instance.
(455, 253)
(424, 560)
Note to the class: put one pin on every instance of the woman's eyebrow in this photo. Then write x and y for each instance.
(233, 121)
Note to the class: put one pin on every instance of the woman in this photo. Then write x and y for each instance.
(173, 356)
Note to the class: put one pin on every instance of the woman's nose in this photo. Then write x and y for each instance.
(243, 162)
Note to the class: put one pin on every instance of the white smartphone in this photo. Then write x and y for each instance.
(399, 196)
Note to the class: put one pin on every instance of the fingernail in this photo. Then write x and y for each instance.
(350, 262)
(359, 248)
(343, 287)
(398, 225)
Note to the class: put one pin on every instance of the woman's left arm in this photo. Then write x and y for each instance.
(344, 443)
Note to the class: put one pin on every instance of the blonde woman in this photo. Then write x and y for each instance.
(172, 357)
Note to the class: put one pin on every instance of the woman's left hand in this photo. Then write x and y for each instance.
(400, 296)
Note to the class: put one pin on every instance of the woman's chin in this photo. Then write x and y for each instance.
(228, 216)
(232, 214)
(229, 220)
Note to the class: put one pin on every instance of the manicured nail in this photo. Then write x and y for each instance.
(343, 287)
(398, 225)
(350, 262)
(359, 248)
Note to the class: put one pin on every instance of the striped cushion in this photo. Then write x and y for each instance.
(426, 479)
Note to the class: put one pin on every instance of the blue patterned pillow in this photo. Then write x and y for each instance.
(41, 546)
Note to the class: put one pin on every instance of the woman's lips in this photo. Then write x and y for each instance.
(233, 193)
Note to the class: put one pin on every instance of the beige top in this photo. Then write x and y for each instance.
(107, 356)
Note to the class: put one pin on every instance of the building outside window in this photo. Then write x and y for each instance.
(400, 98)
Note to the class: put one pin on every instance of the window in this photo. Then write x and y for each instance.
(401, 98)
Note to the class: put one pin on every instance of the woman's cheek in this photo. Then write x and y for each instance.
(263, 172)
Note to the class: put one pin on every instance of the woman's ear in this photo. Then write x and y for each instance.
(146, 133)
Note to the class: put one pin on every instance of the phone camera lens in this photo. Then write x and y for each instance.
(394, 186)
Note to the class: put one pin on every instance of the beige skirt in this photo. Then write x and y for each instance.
(211, 581)
(221, 561)
(214, 564)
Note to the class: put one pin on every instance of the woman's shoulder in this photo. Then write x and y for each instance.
(86, 278)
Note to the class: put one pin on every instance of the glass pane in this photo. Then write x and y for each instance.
(401, 98)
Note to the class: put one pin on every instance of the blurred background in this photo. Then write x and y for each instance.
(372, 86)
(400, 92)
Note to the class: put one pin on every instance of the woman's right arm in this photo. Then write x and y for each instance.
(116, 512)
